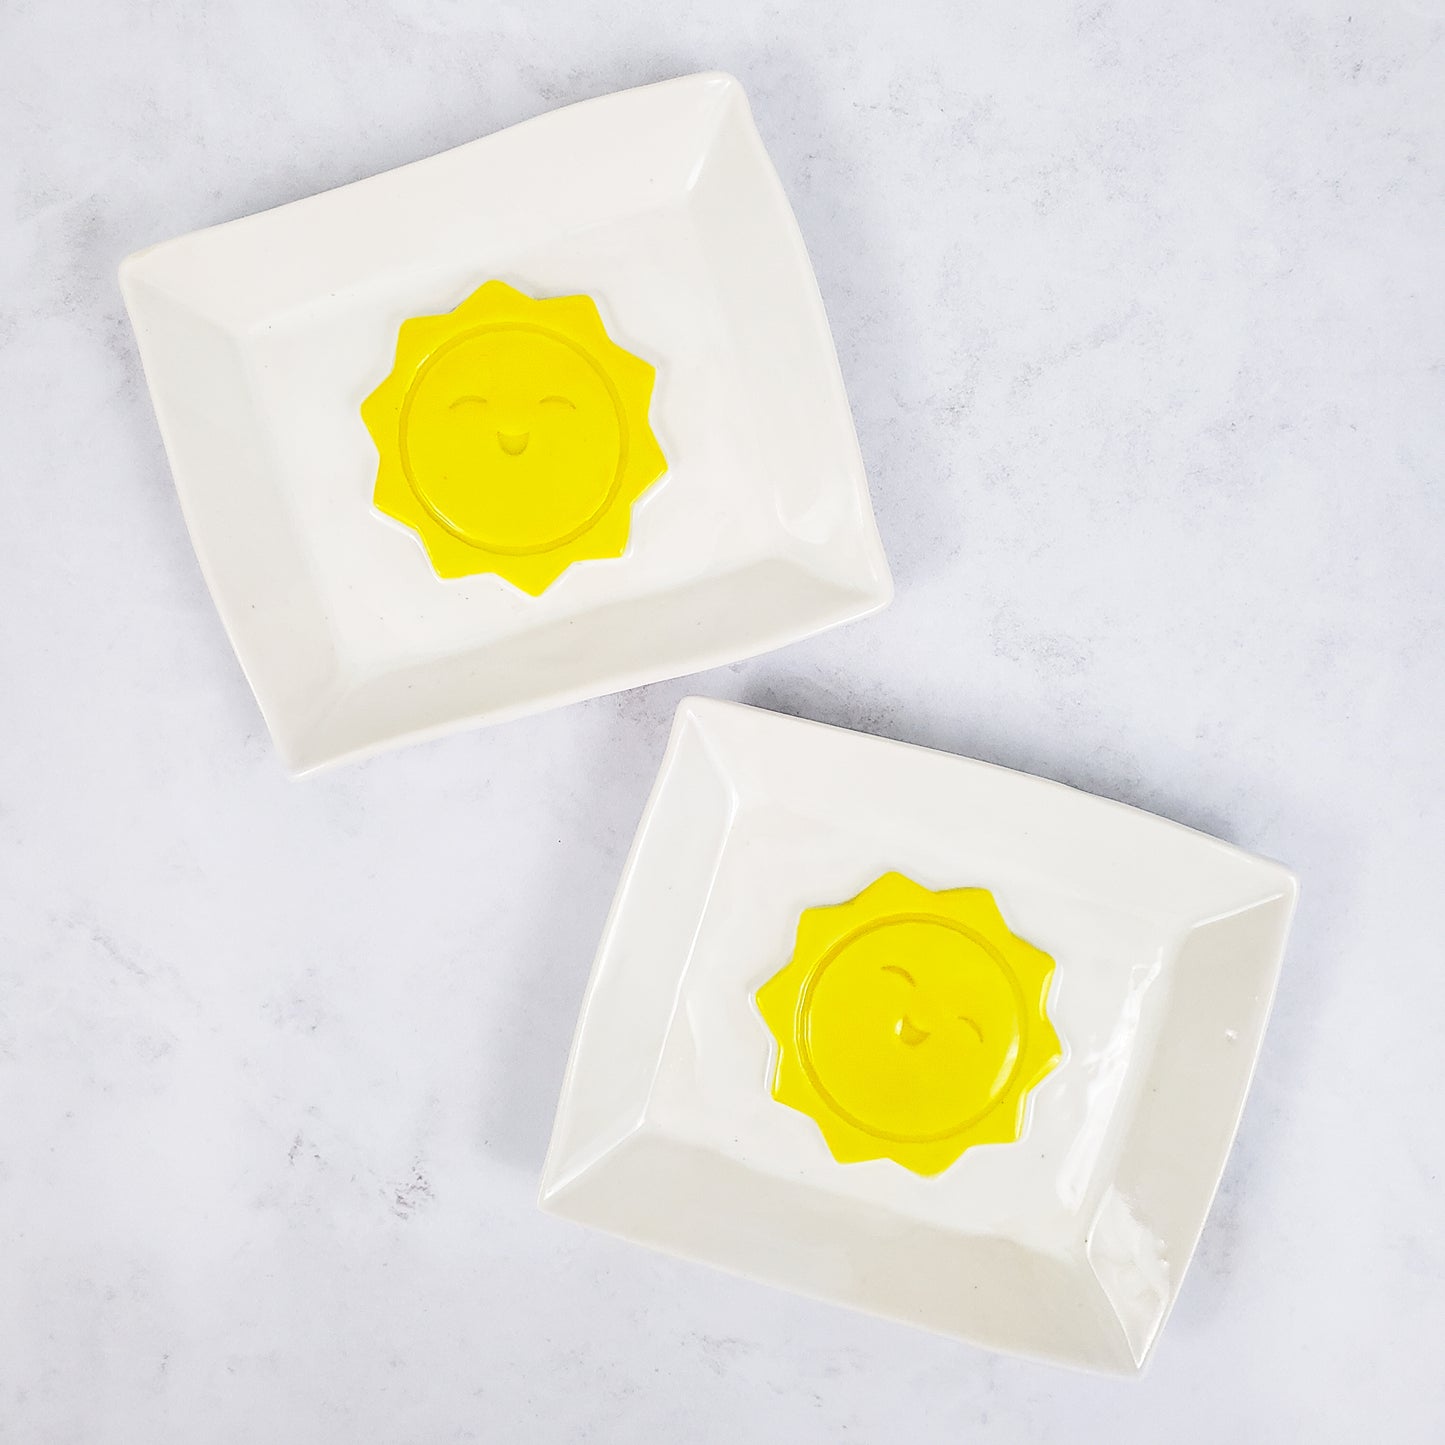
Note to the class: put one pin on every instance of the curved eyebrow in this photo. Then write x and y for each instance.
(964, 1019)
(463, 400)
(902, 973)
(558, 401)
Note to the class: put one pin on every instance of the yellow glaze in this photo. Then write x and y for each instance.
(514, 436)
(910, 1024)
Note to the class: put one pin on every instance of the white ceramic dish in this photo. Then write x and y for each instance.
(260, 338)
(1070, 1244)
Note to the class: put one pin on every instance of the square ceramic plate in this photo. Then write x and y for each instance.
(1069, 1244)
(262, 337)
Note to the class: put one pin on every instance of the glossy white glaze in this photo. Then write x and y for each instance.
(260, 339)
(1070, 1243)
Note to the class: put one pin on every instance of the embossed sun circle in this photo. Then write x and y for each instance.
(513, 436)
(910, 1024)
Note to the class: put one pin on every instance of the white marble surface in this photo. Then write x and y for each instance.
(1142, 312)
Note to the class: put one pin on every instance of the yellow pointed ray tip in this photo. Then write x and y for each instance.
(910, 1024)
(513, 435)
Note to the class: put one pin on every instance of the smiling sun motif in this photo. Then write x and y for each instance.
(514, 436)
(910, 1024)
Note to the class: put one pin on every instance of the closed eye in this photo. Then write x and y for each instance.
(902, 973)
(559, 401)
(468, 401)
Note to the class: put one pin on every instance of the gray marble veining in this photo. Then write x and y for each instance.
(1142, 314)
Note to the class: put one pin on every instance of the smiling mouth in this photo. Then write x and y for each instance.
(514, 443)
(909, 1033)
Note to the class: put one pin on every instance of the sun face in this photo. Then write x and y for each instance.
(513, 436)
(910, 1025)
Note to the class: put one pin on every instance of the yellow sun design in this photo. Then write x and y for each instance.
(910, 1025)
(514, 436)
